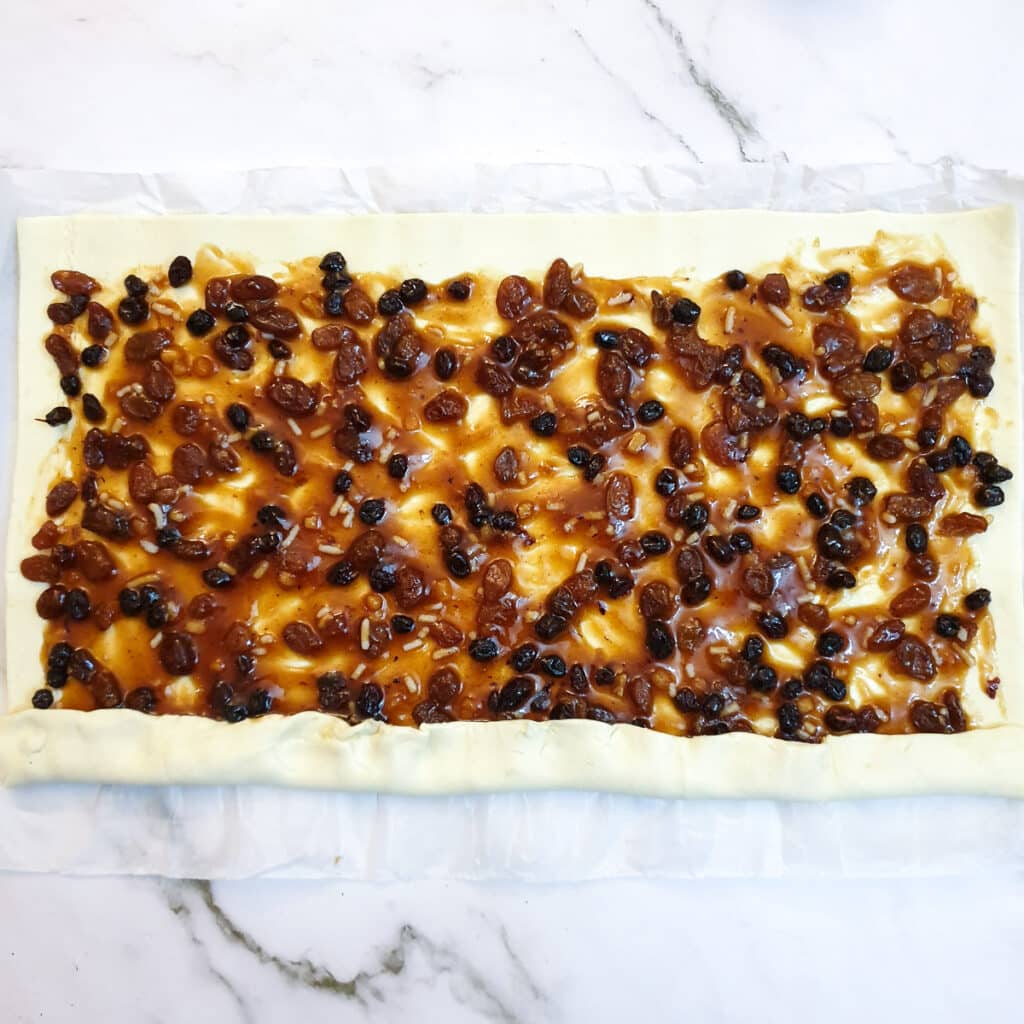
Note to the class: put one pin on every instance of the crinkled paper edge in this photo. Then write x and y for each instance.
(225, 831)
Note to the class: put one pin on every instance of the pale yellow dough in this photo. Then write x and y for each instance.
(316, 750)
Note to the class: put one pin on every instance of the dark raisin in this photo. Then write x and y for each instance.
(840, 426)
(238, 416)
(595, 464)
(741, 542)
(753, 648)
(459, 290)
(989, 496)
(650, 411)
(685, 312)
(236, 313)
(383, 578)
(372, 511)
(342, 573)
(504, 521)
(773, 626)
(514, 694)
(370, 702)
(719, 548)
(545, 424)
(830, 643)
(747, 513)
(550, 625)
(666, 482)
(915, 538)
(402, 624)
(834, 689)
(77, 604)
(93, 356)
(763, 679)
(262, 441)
(58, 416)
(42, 699)
(713, 705)
(446, 363)
(133, 310)
(458, 563)
(216, 578)
(977, 599)
(333, 262)
(787, 478)
(157, 615)
(135, 286)
(441, 513)
(484, 648)
(830, 543)
(504, 348)
(940, 462)
(607, 339)
(695, 516)
(783, 361)
(735, 280)
(412, 291)
(71, 384)
(180, 271)
(200, 323)
(390, 303)
(817, 674)
(334, 303)
(797, 426)
(993, 473)
(878, 359)
(946, 626)
(398, 466)
(553, 665)
(92, 410)
(686, 701)
(790, 718)
(342, 482)
(655, 543)
(861, 491)
(523, 657)
(980, 384)
(902, 377)
(56, 678)
(959, 447)
(660, 641)
(697, 590)
(816, 505)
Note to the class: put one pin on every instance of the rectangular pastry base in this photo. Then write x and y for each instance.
(315, 750)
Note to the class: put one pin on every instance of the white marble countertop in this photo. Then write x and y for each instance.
(192, 85)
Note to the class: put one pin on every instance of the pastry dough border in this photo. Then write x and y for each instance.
(315, 750)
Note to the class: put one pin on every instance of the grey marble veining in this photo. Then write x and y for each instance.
(581, 80)
(408, 957)
(257, 951)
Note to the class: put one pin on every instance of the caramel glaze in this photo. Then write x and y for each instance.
(565, 525)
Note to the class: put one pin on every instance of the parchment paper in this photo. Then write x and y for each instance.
(234, 832)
